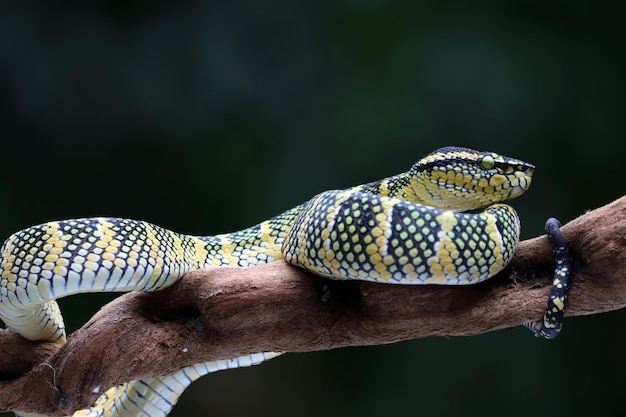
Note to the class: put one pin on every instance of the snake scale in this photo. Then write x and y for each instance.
(411, 228)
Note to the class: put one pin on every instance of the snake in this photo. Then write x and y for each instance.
(442, 222)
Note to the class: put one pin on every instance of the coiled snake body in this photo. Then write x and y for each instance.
(407, 229)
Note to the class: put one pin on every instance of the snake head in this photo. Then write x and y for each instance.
(456, 178)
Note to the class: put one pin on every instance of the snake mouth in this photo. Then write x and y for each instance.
(522, 184)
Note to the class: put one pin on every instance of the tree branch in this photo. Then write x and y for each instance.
(219, 313)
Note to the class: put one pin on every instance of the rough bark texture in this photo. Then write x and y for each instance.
(226, 312)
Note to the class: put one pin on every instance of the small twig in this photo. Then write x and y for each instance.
(54, 377)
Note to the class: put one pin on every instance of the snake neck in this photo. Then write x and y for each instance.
(415, 188)
(398, 186)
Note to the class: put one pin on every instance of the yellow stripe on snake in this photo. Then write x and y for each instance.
(407, 229)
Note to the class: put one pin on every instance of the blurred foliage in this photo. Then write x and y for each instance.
(207, 117)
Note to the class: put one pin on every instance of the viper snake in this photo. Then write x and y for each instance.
(441, 222)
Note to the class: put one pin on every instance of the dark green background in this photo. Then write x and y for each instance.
(207, 117)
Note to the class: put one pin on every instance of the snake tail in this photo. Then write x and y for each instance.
(550, 326)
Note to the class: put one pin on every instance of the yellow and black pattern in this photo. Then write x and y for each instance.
(407, 229)
(256, 245)
(57, 259)
(355, 235)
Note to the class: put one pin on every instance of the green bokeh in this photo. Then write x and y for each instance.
(208, 117)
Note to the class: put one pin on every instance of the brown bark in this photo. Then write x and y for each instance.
(226, 312)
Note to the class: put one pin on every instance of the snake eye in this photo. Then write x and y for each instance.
(487, 162)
